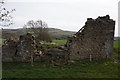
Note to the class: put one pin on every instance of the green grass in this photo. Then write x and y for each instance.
(60, 42)
(117, 48)
(45, 46)
(85, 69)
(2, 41)
(116, 43)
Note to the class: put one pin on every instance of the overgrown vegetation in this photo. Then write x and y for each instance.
(55, 43)
(85, 69)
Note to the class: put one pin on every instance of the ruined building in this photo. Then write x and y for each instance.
(25, 50)
(26, 47)
(93, 41)
(9, 50)
(22, 50)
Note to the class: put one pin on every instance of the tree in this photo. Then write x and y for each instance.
(5, 16)
(39, 29)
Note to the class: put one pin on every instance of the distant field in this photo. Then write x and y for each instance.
(2, 41)
(54, 33)
(60, 42)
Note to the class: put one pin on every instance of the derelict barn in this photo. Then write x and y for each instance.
(93, 41)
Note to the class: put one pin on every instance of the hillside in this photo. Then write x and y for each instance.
(60, 34)
(117, 38)
(55, 33)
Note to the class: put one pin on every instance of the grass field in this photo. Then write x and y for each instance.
(2, 41)
(116, 45)
(60, 42)
(85, 69)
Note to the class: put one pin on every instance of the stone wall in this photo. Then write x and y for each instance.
(9, 50)
(93, 41)
(25, 49)
(22, 50)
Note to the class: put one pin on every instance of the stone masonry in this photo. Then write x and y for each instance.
(22, 50)
(93, 41)
(25, 50)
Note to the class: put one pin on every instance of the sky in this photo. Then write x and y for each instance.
(68, 15)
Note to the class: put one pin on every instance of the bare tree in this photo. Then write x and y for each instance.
(39, 29)
(5, 16)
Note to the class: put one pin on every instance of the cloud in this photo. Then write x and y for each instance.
(67, 1)
(63, 14)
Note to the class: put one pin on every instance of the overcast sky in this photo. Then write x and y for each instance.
(63, 14)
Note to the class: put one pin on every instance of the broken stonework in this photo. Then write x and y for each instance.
(26, 47)
(25, 50)
(22, 50)
(9, 50)
(92, 41)
(56, 55)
